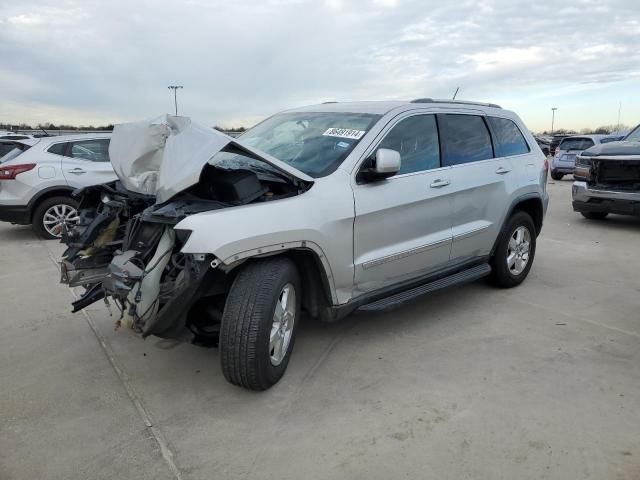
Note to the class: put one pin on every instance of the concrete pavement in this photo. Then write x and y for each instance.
(541, 381)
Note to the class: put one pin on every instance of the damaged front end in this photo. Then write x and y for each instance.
(126, 251)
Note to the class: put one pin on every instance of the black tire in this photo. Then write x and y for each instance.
(501, 275)
(556, 175)
(595, 215)
(37, 221)
(247, 320)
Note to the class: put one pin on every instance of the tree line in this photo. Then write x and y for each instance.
(603, 130)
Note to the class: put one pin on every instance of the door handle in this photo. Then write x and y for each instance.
(439, 183)
(78, 171)
(502, 170)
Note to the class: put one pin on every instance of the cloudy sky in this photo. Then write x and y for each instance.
(93, 62)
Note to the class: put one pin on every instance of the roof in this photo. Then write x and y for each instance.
(382, 107)
(592, 137)
(76, 136)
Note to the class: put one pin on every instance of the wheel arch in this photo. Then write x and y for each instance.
(315, 272)
(45, 193)
(532, 205)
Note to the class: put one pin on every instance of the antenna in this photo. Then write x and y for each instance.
(456, 93)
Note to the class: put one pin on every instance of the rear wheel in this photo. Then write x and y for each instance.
(595, 215)
(259, 323)
(53, 215)
(514, 252)
(556, 175)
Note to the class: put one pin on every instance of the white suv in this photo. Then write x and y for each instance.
(38, 175)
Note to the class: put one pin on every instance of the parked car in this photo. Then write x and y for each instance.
(608, 179)
(327, 209)
(37, 176)
(564, 160)
(556, 139)
(544, 145)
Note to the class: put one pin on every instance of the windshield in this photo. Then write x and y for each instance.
(314, 143)
(634, 136)
(576, 144)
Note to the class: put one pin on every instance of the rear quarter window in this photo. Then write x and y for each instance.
(508, 137)
(57, 148)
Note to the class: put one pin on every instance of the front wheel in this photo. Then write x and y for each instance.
(259, 323)
(556, 175)
(514, 252)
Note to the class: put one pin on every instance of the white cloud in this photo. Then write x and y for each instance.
(240, 61)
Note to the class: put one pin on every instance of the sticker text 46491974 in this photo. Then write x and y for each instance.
(344, 133)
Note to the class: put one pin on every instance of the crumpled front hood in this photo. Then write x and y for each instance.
(613, 149)
(166, 154)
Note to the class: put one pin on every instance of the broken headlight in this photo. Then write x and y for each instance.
(582, 171)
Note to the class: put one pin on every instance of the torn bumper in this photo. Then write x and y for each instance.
(589, 199)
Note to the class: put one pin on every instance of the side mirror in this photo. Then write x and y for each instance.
(385, 164)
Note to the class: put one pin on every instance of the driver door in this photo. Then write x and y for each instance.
(402, 228)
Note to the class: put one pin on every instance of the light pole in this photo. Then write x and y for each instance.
(175, 95)
(553, 117)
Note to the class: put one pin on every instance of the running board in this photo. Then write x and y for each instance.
(400, 298)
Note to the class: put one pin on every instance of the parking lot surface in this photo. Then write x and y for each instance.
(541, 381)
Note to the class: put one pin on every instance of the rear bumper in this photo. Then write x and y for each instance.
(15, 214)
(587, 199)
(566, 170)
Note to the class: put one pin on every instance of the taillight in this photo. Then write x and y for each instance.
(10, 172)
(546, 165)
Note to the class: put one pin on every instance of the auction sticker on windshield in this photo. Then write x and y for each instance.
(344, 133)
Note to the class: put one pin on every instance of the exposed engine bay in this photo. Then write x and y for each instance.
(125, 249)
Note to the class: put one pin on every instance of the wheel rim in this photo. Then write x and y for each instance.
(284, 318)
(58, 217)
(518, 250)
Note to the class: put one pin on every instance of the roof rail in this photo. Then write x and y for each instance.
(461, 102)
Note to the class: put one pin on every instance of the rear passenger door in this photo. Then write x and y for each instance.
(86, 162)
(478, 184)
(402, 228)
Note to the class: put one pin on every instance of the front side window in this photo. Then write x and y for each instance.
(93, 150)
(315, 143)
(465, 138)
(508, 137)
(416, 138)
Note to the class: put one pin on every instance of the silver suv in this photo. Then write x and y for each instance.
(325, 209)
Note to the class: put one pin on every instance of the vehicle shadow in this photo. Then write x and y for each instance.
(616, 222)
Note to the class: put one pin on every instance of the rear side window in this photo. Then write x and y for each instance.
(416, 138)
(576, 144)
(93, 150)
(57, 148)
(508, 137)
(465, 139)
